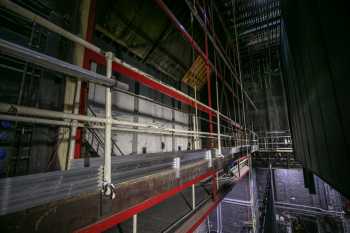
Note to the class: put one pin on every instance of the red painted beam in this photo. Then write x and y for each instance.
(122, 216)
(153, 84)
(139, 77)
(206, 214)
(199, 222)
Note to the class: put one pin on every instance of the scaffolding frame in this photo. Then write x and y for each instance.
(76, 120)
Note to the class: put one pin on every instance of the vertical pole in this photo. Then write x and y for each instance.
(193, 197)
(136, 117)
(207, 66)
(244, 119)
(218, 119)
(108, 127)
(194, 132)
(217, 181)
(214, 185)
(239, 167)
(134, 223)
(74, 127)
(196, 138)
(208, 222)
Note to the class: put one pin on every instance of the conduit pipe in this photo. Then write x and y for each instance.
(41, 121)
(93, 122)
(28, 55)
(107, 171)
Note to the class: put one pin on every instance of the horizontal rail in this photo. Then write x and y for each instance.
(13, 112)
(52, 63)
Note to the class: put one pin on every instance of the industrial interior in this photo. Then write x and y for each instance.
(225, 116)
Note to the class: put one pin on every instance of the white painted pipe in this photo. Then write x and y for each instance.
(35, 120)
(63, 123)
(22, 110)
(108, 125)
(218, 119)
(196, 139)
(193, 197)
(134, 223)
(72, 138)
(95, 121)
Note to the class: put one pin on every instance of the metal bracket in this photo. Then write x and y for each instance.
(209, 157)
(176, 166)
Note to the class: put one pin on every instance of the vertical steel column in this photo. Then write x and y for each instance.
(207, 66)
(251, 185)
(208, 224)
(108, 126)
(218, 119)
(74, 128)
(196, 136)
(134, 223)
(193, 196)
(239, 167)
(219, 218)
(214, 185)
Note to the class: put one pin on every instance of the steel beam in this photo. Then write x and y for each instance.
(122, 216)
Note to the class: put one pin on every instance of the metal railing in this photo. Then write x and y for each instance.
(107, 122)
(275, 141)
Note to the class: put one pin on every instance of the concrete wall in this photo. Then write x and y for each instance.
(131, 108)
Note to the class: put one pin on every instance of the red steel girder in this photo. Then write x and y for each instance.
(153, 84)
(122, 216)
